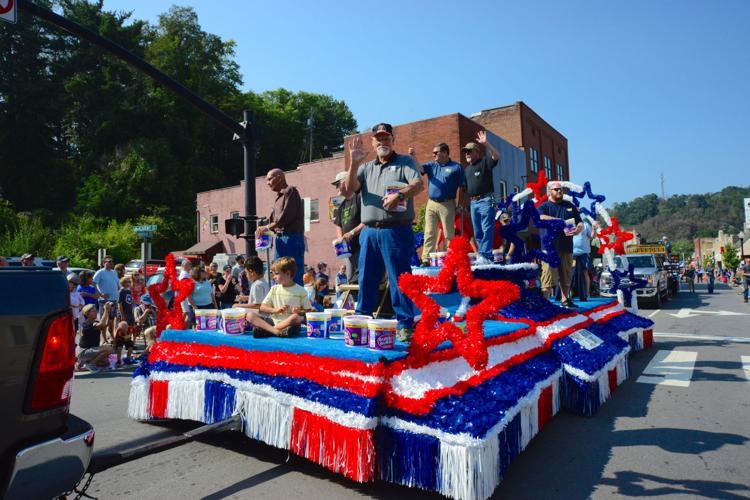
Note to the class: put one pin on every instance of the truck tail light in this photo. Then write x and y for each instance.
(54, 365)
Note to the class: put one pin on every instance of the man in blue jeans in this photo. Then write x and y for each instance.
(480, 189)
(745, 267)
(287, 221)
(388, 185)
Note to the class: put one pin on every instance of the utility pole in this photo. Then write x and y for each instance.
(310, 125)
(663, 196)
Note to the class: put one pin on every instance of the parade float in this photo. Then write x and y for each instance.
(490, 363)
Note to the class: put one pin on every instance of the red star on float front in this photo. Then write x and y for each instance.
(428, 335)
(620, 237)
(539, 187)
(182, 288)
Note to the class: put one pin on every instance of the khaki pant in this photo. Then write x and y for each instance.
(445, 213)
(563, 274)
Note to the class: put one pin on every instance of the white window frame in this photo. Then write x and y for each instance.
(234, 215)
(312, 206)
(534, 160)
(214, 223)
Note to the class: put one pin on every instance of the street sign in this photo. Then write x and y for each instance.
(8, 11)
(150, 228)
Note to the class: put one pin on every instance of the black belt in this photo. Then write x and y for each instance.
(387, 224)
(480, 196)
(441, 200)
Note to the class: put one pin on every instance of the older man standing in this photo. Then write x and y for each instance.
(445, 189)
(480, 188)
(287, 221)
(387, 240)
(558, 208)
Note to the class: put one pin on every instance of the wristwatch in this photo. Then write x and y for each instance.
(401, 196)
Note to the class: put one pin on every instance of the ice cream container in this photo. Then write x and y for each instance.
(317, 324)
(264, 241)
(395, 187)
(342, 249)
(336, 323)
(232, 321)
(207, 319)
(381, 333)
(356, 330)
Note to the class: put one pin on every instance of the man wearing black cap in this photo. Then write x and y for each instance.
(388, 185)
(480, 189)
(62, 265)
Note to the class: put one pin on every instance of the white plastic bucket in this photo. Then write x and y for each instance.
(317, 324)
(381, 333)
(207, 319)
(355, 330)
(233, 321)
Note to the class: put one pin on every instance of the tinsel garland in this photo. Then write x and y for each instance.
(520, 220)
(612, 237)
(427, 336)
(597, 200)
(183, 288)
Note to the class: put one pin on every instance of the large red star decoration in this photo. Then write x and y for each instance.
(182, 288)
(539, 187)
(428, 335)
(618, 242)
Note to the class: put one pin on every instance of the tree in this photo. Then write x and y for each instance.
(729, 257)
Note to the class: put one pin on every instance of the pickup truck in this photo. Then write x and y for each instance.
(44, 450)
(647, 266)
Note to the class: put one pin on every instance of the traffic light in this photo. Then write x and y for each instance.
(234, 226)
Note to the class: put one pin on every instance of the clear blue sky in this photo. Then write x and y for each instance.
(638, 88)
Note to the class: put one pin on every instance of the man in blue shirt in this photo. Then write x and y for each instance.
(445, 185)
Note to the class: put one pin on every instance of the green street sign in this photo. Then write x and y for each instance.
(151, 228)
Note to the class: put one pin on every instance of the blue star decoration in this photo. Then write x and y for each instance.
(627, 288)
(519, 221)
(597, 198)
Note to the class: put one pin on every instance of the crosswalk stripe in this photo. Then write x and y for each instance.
(691, 336)
(674, 368)
(746, 366)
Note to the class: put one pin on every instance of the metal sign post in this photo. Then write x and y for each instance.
(145, 232)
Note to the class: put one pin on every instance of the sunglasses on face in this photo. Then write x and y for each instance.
(435, 153)
(556, 189)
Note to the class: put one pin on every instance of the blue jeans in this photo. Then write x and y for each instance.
(483, 223)
(292, 245)
(386, 249)
(745, 288)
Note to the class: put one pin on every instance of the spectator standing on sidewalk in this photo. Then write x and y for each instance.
(226, 288)
(482, 158)
(108, 286)
(387, 241)
(446, 190)
(287, 221)
(239, 267)
(76, 301)
(62, 264)
(690, 277)
(745, 268)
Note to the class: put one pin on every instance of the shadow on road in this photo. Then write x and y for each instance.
(636, 484)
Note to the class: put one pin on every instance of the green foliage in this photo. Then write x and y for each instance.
(684, 217)
(80, 239)
(29, 234)
(729, 257)
(419, 224)
(708, 261)
(683, 247)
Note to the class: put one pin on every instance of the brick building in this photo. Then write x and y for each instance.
(545, 147)
(314, 183)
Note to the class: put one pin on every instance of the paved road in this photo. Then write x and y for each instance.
(686, 437)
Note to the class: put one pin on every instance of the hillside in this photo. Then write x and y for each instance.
(684, 217)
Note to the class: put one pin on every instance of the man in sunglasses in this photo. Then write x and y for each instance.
(558, 208)
(388, 185)
(446, 189)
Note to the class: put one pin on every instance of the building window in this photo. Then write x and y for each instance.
(516, 189)
(548, 167)
(503, 190)
(312, 211)
(559, 171)
(534, 157)
(214, 224)
(234, 215)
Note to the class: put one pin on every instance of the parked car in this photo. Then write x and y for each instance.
(44, 450)
(647, 266)
(136, 266)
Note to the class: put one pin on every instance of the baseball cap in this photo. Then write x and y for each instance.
(470, 146)
(339, 177)
(382, 128)
(227, 267)
(62, 258)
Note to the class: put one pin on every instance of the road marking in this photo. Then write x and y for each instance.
(673, 368)
(653, 314)
(691, 313)
(746, 366)
(691, 336)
